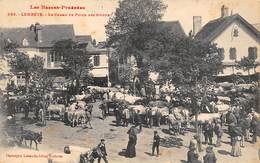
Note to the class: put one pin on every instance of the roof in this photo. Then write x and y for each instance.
(174, 26)
(50, 34)
(213, 28)
(257, 26)
(83, 38)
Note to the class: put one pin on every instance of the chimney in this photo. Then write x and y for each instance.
(38, 32)
(224, 11)
(196, 24)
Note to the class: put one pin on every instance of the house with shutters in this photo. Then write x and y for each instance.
(235, 37)
(40, 43)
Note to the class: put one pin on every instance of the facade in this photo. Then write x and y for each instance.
(99, 60)
(38, 40)
(236, 39)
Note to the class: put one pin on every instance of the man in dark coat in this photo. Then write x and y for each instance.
(149, 118)
(139, 120)
(191, 155)
(219, 132)
(103, 109)
(210, 156)
(208, 132)
(102, 148)
(254, 124)
(156, 143)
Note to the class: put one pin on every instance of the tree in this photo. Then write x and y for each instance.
(247, 63)
(76, 62)
(189, 65)
(21, 63)
(131, 26)
(125, 74)
(37, 81)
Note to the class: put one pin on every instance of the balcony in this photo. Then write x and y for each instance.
(54, 65)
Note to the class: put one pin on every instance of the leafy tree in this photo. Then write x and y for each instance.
(21, 63)
(247, 63)
(188, 64)
(131, 26)
(76, 62)
(125, 74)
(37, 81)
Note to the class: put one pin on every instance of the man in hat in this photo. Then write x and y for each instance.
(254, 124)
(219, 132)
(208, 132)
(210, 155)
(139, 120)
(102, 148)
(191, 155)
(194, 143)
(156, 143)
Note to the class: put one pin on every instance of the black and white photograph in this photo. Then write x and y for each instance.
(129, 81)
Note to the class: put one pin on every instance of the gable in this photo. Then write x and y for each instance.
(215, 27)
(243, 34)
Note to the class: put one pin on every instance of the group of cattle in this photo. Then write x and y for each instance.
(72, 115)
(159, 111)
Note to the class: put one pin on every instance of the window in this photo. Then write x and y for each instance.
(232, 54)
(252, 52)
(96, 60)
(221, 52)
(25, 42)
(52, 57)
(235, 33)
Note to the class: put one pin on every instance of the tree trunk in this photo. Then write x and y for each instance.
(77, 86)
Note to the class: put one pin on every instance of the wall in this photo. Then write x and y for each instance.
(102, 69)
(36, 52)
(244, 40)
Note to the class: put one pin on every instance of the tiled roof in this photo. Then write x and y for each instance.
(50, 34)
(174, 26)
(257, 26)
(18, 34)
(213, 28)
(83, 38)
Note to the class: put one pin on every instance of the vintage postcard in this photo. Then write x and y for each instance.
(129, 81)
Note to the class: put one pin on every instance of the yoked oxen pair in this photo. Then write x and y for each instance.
(77, 114)
(149, 114)
(56, 109)
(178, 120)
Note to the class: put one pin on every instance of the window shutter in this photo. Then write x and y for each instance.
(48, 59)
(232, 54)
(252, 52)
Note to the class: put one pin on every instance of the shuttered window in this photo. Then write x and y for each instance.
(232, 53)
(96, 60)
(252, 52)
(221, 52)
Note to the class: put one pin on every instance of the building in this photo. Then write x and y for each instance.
(99, 58)
(235, 37)
(38, 40)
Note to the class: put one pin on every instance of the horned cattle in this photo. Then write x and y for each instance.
(58, 109)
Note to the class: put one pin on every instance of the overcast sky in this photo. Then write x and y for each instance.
(182, 10)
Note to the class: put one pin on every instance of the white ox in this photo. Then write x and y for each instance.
(58, 109)
(121, 96)
(82, 97)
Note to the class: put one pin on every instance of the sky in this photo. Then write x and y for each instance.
(182, 10)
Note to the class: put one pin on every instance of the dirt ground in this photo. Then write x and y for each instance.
(173, 149)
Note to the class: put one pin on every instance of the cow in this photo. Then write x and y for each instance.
(58, 109)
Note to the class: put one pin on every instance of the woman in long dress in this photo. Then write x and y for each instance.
(130, 151)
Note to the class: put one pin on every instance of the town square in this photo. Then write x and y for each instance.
(148, 83)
